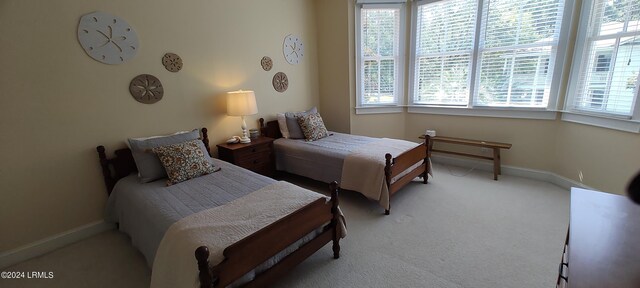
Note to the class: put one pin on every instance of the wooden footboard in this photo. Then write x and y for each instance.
(253, 250)
(396, 166)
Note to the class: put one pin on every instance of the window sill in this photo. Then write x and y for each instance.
(520, 113)
(602, 121)
(362, 110)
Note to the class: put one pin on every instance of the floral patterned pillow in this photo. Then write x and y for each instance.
(312, 126)
(184, 161)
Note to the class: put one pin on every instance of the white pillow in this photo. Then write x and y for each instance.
(152, 137)
(282, 123)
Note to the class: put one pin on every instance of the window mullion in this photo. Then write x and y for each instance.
(636, 101)
(474, 67)
(378, 34)
(511, 70)
(612, 65)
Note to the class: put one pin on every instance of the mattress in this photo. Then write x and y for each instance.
(319, 160)
(146, 211)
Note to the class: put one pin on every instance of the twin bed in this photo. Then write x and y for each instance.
(333, 158)
(259, 255)
(246, 229)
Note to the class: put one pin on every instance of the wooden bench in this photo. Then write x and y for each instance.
(495, 146)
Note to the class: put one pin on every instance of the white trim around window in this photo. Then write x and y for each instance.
(626, 125)
(540, 114)
(581, 106)
(383, 106)
(471, 107)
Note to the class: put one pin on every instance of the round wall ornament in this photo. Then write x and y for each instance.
(280, 82)
(146, 89)
(172, 62)
(266, 63)
(293, 49)
(107, 38)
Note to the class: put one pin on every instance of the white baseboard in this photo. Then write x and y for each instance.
(51, 243)
(541, 175)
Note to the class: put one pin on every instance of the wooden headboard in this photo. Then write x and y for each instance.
(122, 164)
(271, 129)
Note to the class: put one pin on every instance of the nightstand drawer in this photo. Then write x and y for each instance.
(254, 150)
(254, 160)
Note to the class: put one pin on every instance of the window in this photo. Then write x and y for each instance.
(497, 53)
(605, 81)
(380, 57)
(444, 49)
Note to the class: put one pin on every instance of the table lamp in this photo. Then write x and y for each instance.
(242, 103)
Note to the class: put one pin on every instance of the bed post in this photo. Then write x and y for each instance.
(387, 175)
(427, 159)
(335, 222)
(262, 127)
(202, 255)
(106, 172)
(205, 140)
(270, 129)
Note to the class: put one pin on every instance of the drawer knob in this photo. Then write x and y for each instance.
(255, 161)
(253, 150)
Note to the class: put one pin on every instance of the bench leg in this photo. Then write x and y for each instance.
(496, 163)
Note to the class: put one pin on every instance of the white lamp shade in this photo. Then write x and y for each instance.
(241, 103)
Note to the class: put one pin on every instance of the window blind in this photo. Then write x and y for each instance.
(380, 55)
(517, 52)
(445, 33)
(609, 70)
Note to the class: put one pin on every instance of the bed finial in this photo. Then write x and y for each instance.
(336, 218)
(101, 152)
(202, 255)
(387, 175)
(106, 172)
(205, 139)
(427, 143)
(261, 120)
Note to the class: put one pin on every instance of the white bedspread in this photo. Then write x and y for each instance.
(219, 227)
(363, 168)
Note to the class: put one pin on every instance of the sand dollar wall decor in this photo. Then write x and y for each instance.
(146, 89)
(280, 82)
(172, 62)
(293, 49)
(266, 63)
(107, 38)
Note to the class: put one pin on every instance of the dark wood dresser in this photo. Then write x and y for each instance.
(603, 243)
(257, 156)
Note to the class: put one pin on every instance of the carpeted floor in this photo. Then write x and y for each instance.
(466, 231)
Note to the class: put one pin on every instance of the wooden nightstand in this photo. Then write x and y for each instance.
(256, 156)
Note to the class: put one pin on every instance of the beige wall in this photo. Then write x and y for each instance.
(606, 157)
(379, 125)
(333, 40)
(375, 125)
(336, 57)
(533, 141)
(57, 103)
